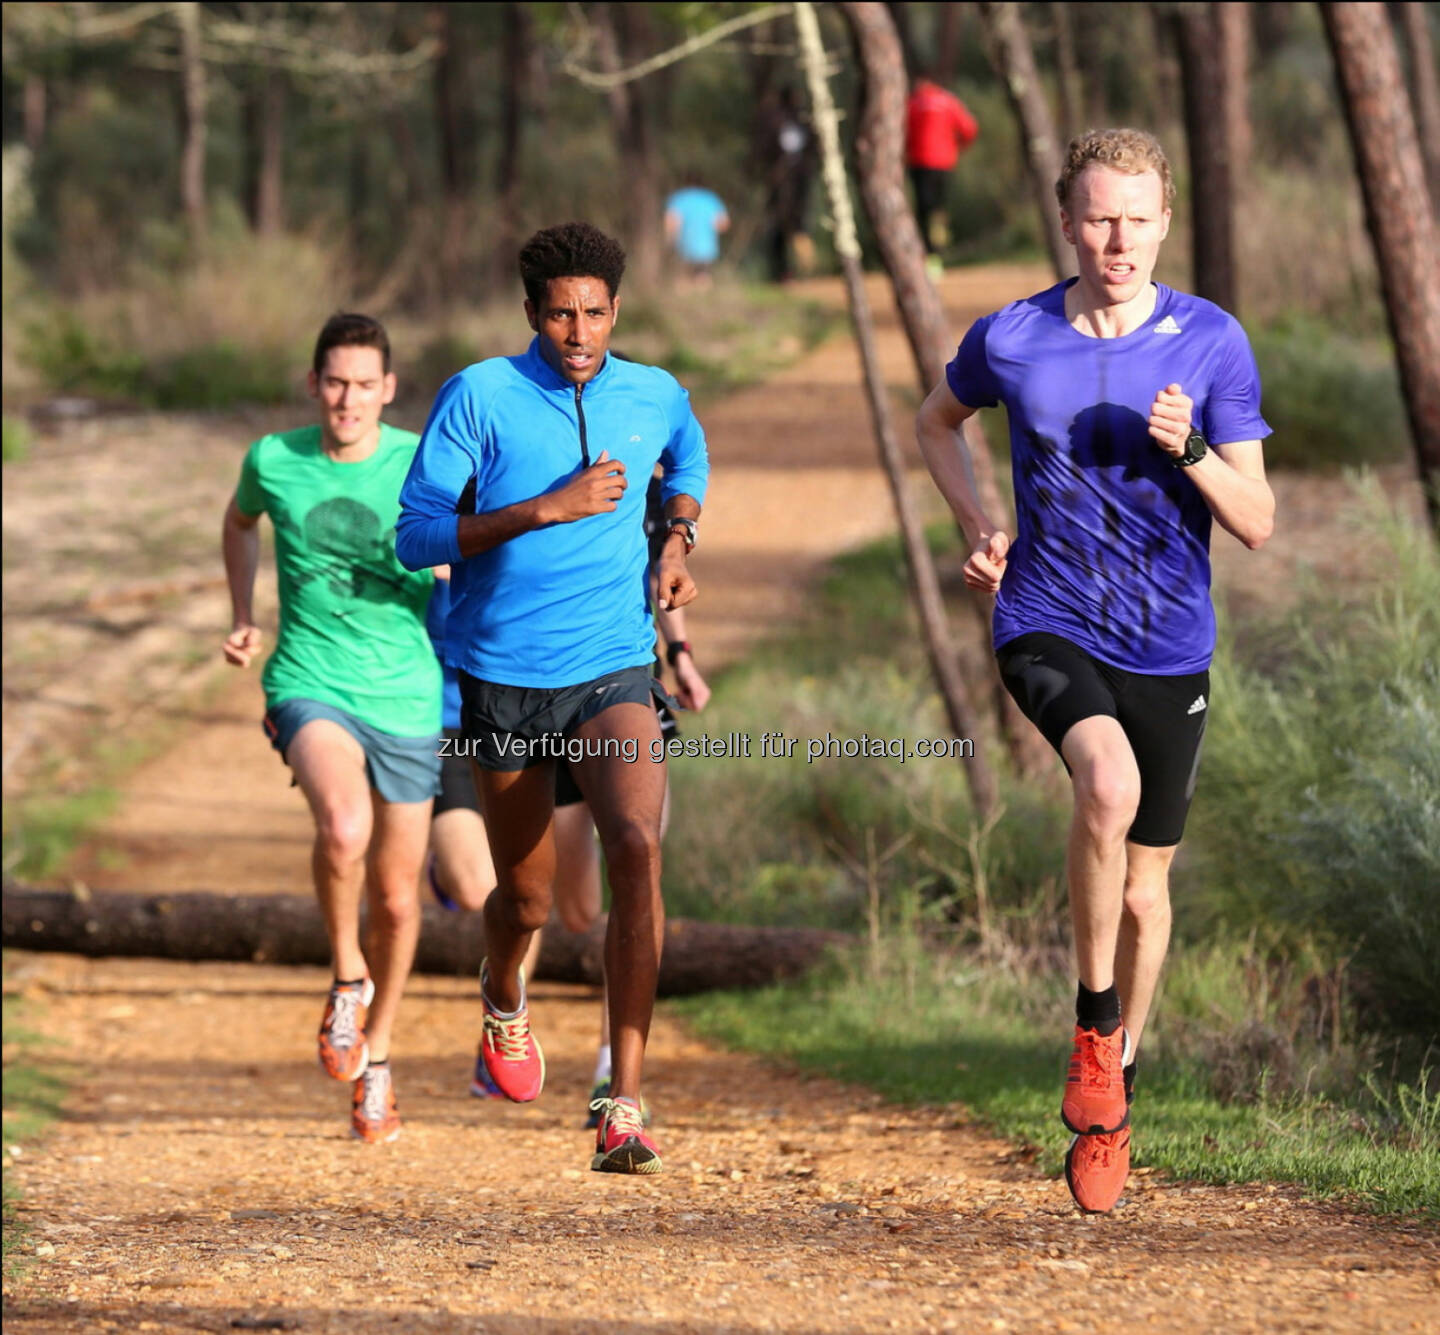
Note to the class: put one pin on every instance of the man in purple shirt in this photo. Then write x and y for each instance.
(1134, 421)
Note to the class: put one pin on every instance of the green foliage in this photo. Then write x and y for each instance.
(16, 439)
(75, 359)
(927, 1027)
(1318, 796)
(1332, 399)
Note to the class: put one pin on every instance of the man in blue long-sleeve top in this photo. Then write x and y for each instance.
(522, 485)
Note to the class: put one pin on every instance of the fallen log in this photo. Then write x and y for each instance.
(287, 929)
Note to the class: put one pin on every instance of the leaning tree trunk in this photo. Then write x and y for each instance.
(1425, 89)
(1397, 212)
(926, 585)
(1211, 202)
(879, 160)
(288, 929)
(1014, 60)
(192, 106)
(1232, 19)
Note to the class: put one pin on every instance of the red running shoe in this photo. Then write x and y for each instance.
(510, 1052)
(344, 1053)
(1095, 1087)
(1096, 1168)
(373, 1115)
(622, 1144)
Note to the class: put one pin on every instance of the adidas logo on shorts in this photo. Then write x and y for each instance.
(1168, 326)
(1197, 706)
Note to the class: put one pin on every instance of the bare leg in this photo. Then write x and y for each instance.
(578, 895)
(519, 818)
(462, 857)
(625, 800)
(396, 853)
(1144, 933)
(329, 765)
(1106, 783)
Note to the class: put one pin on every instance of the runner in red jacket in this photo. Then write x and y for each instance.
(939, 127)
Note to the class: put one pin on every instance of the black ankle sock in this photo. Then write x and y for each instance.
(1099, 1011)
(1129, 1073)
(349, 982)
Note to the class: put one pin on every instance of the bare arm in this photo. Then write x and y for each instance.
(675, 587)
(1231, 476)
(691, 688)
(240, 546)
(594, 490)
(939, 430)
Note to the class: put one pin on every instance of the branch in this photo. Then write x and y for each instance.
(604, 80)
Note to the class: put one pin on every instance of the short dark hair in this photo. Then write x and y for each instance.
(345, 329)
(571, 250)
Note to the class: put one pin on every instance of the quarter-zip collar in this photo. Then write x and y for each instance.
(550, 380)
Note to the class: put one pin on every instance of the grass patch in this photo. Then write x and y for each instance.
(32, 1098)
(16, 439)
(922, 1028)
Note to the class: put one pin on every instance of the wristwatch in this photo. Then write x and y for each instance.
(685, 526)
(1196, 447)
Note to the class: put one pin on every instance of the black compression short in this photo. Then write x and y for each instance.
(1056, 684)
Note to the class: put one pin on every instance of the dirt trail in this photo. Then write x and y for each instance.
(203, 1178)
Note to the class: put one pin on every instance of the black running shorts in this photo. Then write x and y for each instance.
(457, 779)
(514, 727)
(1056, 684)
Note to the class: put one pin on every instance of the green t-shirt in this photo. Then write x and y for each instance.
(352, 618)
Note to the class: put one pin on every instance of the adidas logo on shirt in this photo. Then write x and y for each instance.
(1168, 326)
(1197, 706)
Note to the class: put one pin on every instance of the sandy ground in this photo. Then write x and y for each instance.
(203, 1179)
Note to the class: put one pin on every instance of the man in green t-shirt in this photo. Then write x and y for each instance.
(352, 691)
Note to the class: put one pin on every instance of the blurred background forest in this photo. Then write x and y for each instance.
(188, 188)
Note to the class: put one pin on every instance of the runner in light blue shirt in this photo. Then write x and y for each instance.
(694, 219)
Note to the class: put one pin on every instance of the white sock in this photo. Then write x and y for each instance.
(602, 1065)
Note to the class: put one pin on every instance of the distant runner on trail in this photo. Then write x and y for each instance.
(938, 129)
(1134, 421)
(352, 691)
(521, 486)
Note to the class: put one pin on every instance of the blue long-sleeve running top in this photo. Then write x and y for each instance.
(566, 603)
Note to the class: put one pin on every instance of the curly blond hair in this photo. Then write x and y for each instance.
(1122, 150)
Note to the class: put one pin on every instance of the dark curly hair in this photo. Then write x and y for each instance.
(571, 250)
(346, 329)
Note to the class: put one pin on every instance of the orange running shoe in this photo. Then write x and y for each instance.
(622, 1144)
(1094, 1101)
(343, 1050)
(510, 1051)
(1096, 1168)
(373, 1115)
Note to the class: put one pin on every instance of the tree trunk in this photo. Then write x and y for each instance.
(899, 12)
(192, 105)
(36, 106)
(456, 129)
(288, 929)
(518, 43)
(1233, 22)
(1067, 65)
(1425, 90)
(1401, 223)
(926, 585)
(879, 159)
(265, 153)
(1014, 61)
(947, 41)
(639, 164)
(1211, 204)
